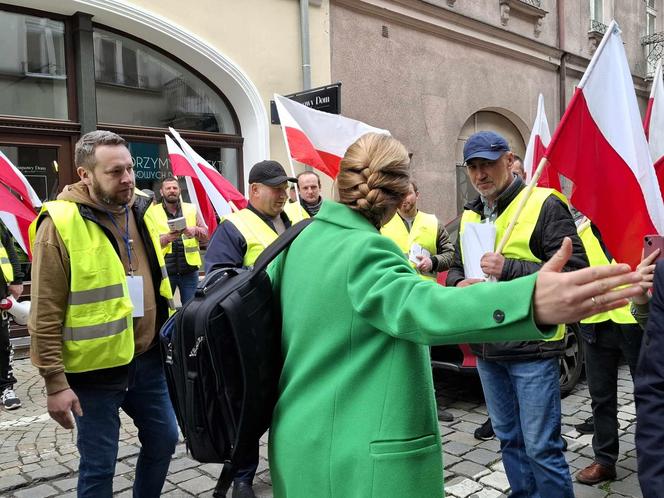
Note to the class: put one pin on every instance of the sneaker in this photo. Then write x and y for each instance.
(9, 399)
(485, 431)
(587, 427)
(445, 416)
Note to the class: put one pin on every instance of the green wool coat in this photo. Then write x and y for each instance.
(356, 415)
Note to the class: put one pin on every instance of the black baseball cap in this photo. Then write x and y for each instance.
(269, 173)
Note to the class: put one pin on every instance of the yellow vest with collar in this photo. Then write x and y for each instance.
(192, 252)
(97, 332)
(518, 245)
(424, 232)
(6, 265)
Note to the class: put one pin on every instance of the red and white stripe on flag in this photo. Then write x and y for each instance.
(317, 138)
(537, 144)
(11, 176)
(654, 124)
(202, 193)
(601, 147)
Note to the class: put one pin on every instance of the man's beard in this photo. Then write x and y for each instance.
(109, 199)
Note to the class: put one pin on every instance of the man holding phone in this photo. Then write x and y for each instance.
(181, 231)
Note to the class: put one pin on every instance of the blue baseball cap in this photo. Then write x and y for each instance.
(485, 144)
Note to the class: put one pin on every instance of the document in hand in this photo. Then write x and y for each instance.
(417, 250)
(177, 224)
(476, 240)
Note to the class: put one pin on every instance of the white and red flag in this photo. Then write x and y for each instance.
(601, 147)
(654, 124)
(537, 144)
(17, 211)
(318, 138)
(209, 176)
(202, 192)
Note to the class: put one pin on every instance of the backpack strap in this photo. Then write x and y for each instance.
(281, 243)
(224, 481)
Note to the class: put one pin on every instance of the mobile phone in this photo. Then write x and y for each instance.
(651, 243)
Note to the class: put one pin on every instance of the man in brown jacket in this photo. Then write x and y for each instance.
(98, 300)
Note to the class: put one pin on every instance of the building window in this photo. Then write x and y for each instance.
(32, 67)
(597, 10)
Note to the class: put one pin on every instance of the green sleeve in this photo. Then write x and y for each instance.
(389, 295)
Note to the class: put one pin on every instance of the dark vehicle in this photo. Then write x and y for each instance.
(460, 358)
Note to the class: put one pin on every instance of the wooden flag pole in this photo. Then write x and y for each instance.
(526, 195)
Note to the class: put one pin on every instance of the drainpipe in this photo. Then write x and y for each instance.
(304, 43)
(562, 72)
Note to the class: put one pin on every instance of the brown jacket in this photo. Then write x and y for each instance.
(50, 291)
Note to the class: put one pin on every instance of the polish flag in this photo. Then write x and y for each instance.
(654, 124)
(537, 144)
(211, 179)
(601, 147)
(317, 138)
(202, 192)
(17, 211)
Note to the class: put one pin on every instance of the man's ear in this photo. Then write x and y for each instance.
(84, 175)
(510, 158)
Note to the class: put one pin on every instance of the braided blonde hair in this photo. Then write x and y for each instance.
(374, 177)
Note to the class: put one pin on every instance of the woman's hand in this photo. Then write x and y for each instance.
(571, 296)
(646, 269)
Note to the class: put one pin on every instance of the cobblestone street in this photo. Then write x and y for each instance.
(39, 459)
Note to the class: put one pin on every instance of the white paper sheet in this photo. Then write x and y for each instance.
(477, 240)
(417, 250)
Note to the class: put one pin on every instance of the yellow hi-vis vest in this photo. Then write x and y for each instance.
(192, 252)
(98, 327)
(596, 257)
(255, 231)
(518, 245)
(295, 212)
(6, 265)
(424, 232)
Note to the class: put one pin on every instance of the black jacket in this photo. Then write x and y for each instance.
(553, 224)
(8, 244)
(649, 395)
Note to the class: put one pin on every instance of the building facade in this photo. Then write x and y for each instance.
(435, 71)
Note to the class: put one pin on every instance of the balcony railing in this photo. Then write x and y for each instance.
(598, 27)
(534, 3)
(654, 48)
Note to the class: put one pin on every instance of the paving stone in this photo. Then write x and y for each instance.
(66, 484)
(629, 486)
(463, 488)
(198, 485)
(41, 491)
(487, 493)
(457, 449)
(11, 482)
(449, 460)
(49, 472)
(181, 464)
(584, 491)
(127, 450)
(482, 457)
(214, 469)
(470, 469)
(120, 483)
(184, 475)
(496, 480)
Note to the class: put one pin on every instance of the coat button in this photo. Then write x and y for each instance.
(499, 316)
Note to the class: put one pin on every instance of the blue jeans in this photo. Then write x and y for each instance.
(146, 401)
(186, 283)
(523, 399)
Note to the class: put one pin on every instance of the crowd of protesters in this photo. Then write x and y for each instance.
(358, 294)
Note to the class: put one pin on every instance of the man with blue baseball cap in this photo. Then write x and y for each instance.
(519, 379)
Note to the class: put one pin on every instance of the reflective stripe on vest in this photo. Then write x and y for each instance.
(424, 232)
(191, 249)
(518, 245)
(98, 328)
(255, 231)
(596, 257)
(6, 265)
(294, 214)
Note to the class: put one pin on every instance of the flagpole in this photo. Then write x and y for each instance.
(524, 198)
(292, 168)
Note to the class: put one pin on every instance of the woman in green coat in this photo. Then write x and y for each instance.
(356, 416)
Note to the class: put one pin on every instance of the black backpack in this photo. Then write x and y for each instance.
(222, 356)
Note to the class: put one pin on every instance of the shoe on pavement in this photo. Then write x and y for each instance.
(445, 416)
(485, 431)
(9, 399)
(243, 490)
(596, 473)
(587, 427)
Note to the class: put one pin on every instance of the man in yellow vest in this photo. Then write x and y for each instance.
(414, 230)
(520, 379)
(607, 338)
(180, 246)
(100, 293)
(240, 239)
(10, 285)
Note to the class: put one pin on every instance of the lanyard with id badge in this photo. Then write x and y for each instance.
(134, 282)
